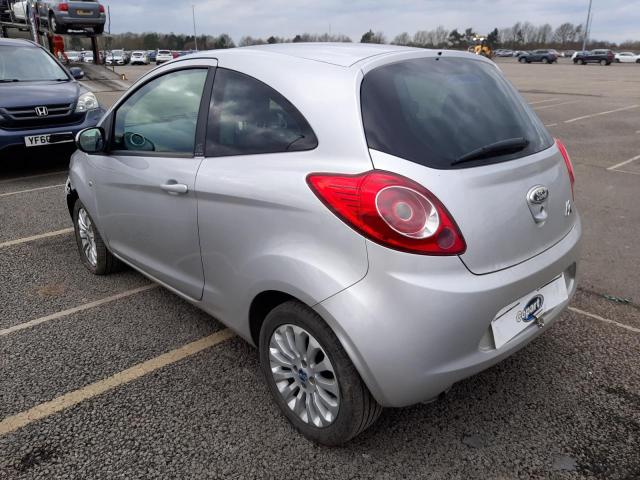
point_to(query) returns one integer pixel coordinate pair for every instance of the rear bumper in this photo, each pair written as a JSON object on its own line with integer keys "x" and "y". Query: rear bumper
{"x": 15, "y": 138}
{"x": 64, "y": 19}
{"x": 415, "y": 324}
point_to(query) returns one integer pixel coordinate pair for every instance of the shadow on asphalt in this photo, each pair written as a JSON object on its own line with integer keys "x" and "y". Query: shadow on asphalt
{"x": 23, "y": 162}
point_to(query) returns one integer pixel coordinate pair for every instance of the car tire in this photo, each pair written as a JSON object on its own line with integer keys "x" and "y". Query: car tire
{"x": 54, "y": 27}
{"x": 582, "y": 62}
{"x": 356, "y": 408}
{"x": 522, "y": 60}
{"x": 93, "y": 252}
{"x": 603, "y": 62}
{"x": 99, "y": 30}
{"x": 545, "y": 60}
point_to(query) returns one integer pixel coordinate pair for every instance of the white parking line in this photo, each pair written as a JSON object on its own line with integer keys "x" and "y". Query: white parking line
{"x": 19, "y": 420}
{"x": 80, "y": 308}
{"x": 617, "y": 165}
{"x": 555, "y": 105}
{"x": 551, "y": 125}
{"x": 543, "y": 101}
{"x": 17, "y": 179}
{"x": 601, "y": 113}
{"x": 35, "y": 237}
{"x": 31, "y": 190}
{"x": 605, "y": 320}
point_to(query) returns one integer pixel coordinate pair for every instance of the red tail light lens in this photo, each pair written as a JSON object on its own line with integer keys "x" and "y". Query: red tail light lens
{"x": 63, "y": 7}
{"x": 391, "y": 210}
{"x": 101, "y": 8}
{"x": 567, "y": 162}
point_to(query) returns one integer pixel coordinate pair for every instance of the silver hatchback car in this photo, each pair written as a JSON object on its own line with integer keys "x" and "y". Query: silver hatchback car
{"x": 380, "y": 221}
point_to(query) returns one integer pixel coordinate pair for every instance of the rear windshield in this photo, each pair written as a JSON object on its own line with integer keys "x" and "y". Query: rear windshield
{"x": 164, "y": 52}
{"x": 434, "y": 111}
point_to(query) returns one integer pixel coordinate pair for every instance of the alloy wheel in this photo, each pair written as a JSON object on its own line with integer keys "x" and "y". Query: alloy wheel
{"x": 85, "y": 230}
{"x": 304, "y": 375}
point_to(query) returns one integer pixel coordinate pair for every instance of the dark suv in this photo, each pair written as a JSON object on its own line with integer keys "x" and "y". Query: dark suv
{"x": 41, "y": 103}
{"x": 63, "y": 15}
{"x": 603, "y": 57}
{"x": 544, "y": 56}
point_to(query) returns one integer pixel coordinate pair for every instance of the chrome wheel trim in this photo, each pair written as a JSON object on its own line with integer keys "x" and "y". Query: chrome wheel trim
{"x": 304, "y": 375}
{"x": 85, "y": 230}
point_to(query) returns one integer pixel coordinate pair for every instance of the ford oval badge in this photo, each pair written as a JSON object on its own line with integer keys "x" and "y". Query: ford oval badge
{"x": 538, "y": 195}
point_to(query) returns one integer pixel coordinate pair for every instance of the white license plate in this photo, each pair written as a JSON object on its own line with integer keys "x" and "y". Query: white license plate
{"x": 528, "y": 310}
{"x": 54, "y": 138}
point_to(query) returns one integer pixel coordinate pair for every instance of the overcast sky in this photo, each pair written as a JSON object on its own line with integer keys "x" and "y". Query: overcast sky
{"x": 615, "y": 20}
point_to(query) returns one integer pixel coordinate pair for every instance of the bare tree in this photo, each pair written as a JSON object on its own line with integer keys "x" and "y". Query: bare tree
{"x": 402, "y": 39}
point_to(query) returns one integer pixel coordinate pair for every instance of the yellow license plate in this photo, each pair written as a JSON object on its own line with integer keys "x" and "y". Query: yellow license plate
{"x": 84, "y": 12}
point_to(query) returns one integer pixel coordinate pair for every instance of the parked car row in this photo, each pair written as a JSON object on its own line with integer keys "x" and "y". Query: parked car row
{"x": 82, "y": 57}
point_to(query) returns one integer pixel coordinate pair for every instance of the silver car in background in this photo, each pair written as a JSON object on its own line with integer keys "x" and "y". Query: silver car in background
{"x": 381, "y": 222}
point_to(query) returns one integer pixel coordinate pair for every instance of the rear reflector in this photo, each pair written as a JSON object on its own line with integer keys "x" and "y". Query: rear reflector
{"x": 391, "y": 210}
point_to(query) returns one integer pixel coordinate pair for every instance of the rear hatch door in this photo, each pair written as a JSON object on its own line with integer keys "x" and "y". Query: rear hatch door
{"x": 423, "y": 117}
{"x": 84, "y": 10}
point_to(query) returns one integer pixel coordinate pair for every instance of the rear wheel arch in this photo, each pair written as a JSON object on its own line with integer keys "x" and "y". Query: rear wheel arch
{"x": 261, "y": 305}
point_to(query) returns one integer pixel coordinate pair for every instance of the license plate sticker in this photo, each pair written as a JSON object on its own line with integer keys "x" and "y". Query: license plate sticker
{"x": 528, "y": 310}
{"x": 48, "y": 139}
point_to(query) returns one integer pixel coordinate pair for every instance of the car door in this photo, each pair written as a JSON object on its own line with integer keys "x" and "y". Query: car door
{"x": 145, "y": 185}
{"x": 251, "y": 184}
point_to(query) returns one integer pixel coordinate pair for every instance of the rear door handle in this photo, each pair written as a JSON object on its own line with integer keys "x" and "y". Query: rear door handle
{"x": 174, "y": 188}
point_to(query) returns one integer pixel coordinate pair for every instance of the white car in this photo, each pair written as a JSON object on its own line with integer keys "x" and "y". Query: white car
{"x": 74, "y": 57}
{"x": 116, "y": 57}
{"x": 88, "y": 57}
{"x": 139, "y": 58}
{"x": 627, "y": 57}
{"x": 19, "y": 10}
{"x": 163, "y": 56}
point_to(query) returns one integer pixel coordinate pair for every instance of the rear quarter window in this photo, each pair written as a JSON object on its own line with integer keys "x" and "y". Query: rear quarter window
{"x": 432, "y": 111}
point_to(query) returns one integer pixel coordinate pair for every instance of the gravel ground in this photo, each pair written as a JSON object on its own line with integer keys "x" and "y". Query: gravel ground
{"x": 565, "y": 407}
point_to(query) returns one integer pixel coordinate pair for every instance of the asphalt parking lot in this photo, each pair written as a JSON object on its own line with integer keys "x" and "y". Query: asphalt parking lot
{"x": 114, "y": 377}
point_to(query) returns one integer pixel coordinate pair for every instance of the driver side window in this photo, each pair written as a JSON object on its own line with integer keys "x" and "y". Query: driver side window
{"x": 162, "y": 115}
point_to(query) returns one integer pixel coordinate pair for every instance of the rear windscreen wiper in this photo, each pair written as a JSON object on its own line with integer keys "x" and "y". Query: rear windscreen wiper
{"x": 510, "y": 145}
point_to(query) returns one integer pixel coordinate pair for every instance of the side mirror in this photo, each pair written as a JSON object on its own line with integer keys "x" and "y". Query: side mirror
{"x": 90, "y": 140}
{"x": 77, "y": 73}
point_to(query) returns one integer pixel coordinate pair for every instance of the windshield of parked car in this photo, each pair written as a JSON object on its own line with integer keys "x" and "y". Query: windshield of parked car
{"x": 28, "y": 64}
{"x": 448, "y": 113}
{"x": 164, "y": 52}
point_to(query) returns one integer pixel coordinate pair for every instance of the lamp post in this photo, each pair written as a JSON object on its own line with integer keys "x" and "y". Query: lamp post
{"x": 586, "y": 28}
{"x": 195, "y": 36}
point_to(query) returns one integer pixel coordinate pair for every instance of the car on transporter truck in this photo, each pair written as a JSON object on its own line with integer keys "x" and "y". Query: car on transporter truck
{"x": 41, "y": 103}
{"x": 378, "y": 246}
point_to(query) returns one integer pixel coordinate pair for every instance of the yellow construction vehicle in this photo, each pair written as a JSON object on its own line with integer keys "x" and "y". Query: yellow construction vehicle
{"x": 482, "y": 47}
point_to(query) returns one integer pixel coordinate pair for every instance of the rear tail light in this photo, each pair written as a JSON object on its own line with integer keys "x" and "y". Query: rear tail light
{"x": 101, "y": 8}
{"x": 391, "y": 210}
{"x": 63, "y": 7}
{"x": 567, "y": 162}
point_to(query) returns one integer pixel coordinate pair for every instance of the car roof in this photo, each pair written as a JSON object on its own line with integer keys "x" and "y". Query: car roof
{"x": 17, "y": 42}
{"x": 340, "y": 54}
